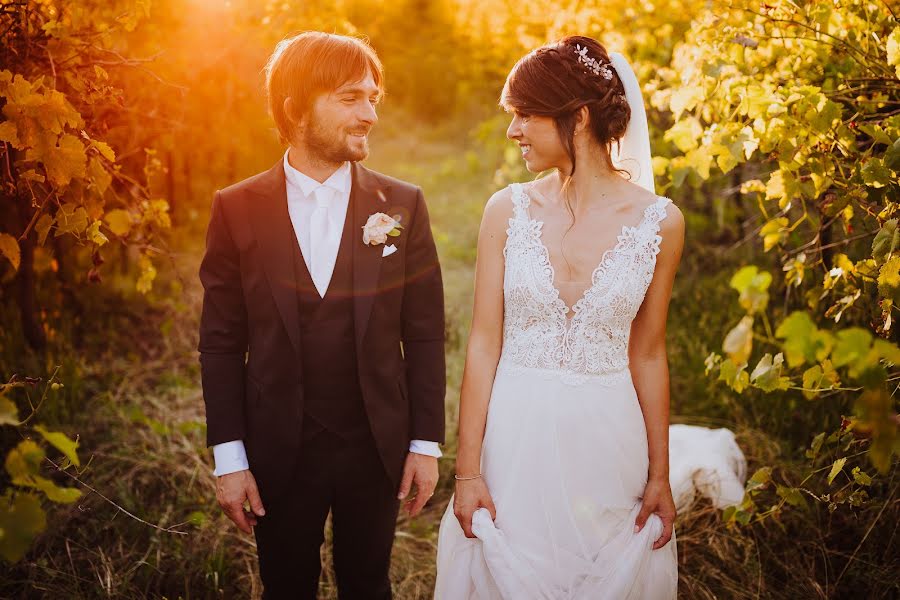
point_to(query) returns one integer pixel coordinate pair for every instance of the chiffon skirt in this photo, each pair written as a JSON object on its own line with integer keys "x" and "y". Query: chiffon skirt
{"x": 566, "y": 466}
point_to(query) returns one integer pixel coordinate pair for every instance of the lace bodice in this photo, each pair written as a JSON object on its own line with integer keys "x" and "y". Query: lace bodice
{"x": 593, "y": 342}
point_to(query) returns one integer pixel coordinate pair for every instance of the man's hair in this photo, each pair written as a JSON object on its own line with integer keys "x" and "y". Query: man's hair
{"x": 312, "y": 63}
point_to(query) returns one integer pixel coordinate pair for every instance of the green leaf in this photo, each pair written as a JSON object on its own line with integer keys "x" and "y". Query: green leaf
{"x": 892, "y": 156}
{"x": 752, "y": 285}
{"x": 61, "y": 442}
{"x": 852, "y": 345}
{"x": 861, "y": 477}
{"x": 198, "y": 518}
{"x": 815, "y": 446}
{"x": 819, "y": 377}
{"x": 767, "y": 374}
{"x": 875, "y": 174}
{"x": 792, "y": 496}
{"x": 735, "y": 377}
{"x": 836, "y": 468}
{"x": 759, "y": 479}
{"x": 886, "y": 240}
{"x": 797, "y": 330}
{"x": 9, "y": 247}
{"x": 21, "y": 520}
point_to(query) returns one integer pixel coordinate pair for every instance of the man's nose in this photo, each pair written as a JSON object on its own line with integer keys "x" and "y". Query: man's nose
{"x": 368, "y": 114}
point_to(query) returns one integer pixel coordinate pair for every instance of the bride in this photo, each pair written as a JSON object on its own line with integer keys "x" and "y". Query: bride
{"x": 562, "y": 471}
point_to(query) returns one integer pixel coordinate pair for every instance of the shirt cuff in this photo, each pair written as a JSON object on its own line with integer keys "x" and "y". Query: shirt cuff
{"x": 426, "y": 448}
{"x": 230, "y": 457}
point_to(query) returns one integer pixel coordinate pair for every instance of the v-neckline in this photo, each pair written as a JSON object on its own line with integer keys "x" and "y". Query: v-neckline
{"x": 606, "y": 258}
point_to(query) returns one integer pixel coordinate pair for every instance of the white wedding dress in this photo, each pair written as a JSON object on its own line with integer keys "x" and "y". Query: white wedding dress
{"x": 565, "y": 448}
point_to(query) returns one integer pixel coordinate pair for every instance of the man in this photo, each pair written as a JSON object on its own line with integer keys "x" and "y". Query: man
{"x": 322, "y": 333}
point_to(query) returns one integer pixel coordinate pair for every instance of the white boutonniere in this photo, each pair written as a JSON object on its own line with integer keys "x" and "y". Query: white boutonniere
{"x": 379, "y": 227}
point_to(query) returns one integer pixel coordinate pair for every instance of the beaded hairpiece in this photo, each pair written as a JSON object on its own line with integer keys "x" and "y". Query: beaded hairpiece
{"x": 592, "y": 64}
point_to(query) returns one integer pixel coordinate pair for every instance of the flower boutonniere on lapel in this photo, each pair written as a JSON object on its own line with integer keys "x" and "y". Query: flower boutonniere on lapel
{"x": 379, "y": 227}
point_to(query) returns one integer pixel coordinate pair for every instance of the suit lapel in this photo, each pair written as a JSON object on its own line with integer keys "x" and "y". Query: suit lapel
{"x": 368, "y": 195}
{"x": 277, "y": 242}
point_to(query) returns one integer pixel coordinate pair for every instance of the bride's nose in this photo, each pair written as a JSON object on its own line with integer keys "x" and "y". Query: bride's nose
{"x": 514, "y": 131}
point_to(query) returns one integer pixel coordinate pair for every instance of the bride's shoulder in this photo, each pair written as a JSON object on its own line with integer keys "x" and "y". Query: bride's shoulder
{"x": 502, "y": 202}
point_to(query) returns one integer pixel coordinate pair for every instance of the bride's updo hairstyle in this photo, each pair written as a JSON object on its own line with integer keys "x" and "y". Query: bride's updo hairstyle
{"x": 551, "y": 81}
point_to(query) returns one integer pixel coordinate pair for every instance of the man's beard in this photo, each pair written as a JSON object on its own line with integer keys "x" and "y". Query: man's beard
{"x": 331, "y": 148}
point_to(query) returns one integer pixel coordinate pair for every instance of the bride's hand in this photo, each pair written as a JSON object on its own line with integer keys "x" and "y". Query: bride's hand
{"x": 657, "y": 499}
{"x": 471, "y": 495}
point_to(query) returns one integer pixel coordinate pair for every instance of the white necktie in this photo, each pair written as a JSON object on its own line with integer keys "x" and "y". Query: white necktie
{"x": 319, "y": 236}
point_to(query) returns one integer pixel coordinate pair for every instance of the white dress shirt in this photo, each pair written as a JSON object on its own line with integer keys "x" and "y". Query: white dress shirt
{"x": 302, "y": 194}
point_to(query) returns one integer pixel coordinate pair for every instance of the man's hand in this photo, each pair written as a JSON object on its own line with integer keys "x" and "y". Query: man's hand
{"x": 423, "y": 471}
{"x": 232, "y": 490}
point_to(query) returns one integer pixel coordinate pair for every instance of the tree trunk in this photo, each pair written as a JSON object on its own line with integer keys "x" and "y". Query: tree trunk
{"x": 26, "y": 297}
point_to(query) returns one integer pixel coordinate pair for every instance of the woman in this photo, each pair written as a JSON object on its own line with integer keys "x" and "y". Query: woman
{"x": 562, "y": 484}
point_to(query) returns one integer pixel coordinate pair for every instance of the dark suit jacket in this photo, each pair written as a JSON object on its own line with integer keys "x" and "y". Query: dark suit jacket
{"x": 250, "y": 336}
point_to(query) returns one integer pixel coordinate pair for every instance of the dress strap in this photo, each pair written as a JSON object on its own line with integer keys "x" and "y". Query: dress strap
{"x": 520, "y": 201}
{"x": 653, "y": 216}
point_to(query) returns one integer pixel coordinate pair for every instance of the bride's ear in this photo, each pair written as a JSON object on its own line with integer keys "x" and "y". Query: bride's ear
{"x": 582, "y": 119}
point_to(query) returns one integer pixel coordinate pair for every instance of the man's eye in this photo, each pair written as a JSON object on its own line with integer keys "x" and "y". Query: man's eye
{"x": 348, "y": 100}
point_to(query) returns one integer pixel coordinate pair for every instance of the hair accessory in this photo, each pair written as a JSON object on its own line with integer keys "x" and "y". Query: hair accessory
{"x": 593, "y": 65}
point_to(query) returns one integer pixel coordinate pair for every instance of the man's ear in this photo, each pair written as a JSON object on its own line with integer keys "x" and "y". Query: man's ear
{"x": 290, "y": 111}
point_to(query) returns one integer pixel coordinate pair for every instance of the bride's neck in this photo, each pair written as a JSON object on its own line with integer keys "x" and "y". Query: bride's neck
{"x": 592, "y": 182}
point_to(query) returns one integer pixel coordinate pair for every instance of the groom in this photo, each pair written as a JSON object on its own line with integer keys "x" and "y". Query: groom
{"x": 322, "y": 333}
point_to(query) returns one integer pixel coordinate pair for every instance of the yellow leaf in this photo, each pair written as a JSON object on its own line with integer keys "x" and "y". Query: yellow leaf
{"x": 739, "y": 341}
{"x": 685, "y": 98}
{"x": 99, "y": 176}
{"x": 63, "y": 161}
{"x": 119, "y": 221}
{"x": 9, "y": 414}
{"x": 148, "y": 274}
{"x": 71, "y": 219}
{"x": 62, "y": 443}
{"x": 774, "y": 232}
{"x": 105, "y": 150}
{"x": 95, "y": 235}
{"x": 9, "y": 247}
{"x": 893, "y": 48}
{"x": 9, "y": 133}
{"x": 685, "y": 134}
{"x": 156, "y": 212}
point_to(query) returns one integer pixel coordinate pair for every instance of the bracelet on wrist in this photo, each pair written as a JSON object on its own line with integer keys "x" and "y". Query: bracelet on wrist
{"x": 458, "y": 478}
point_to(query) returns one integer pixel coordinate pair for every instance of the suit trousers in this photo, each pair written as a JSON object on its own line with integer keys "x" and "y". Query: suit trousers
{"x": 346, "y": 477}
